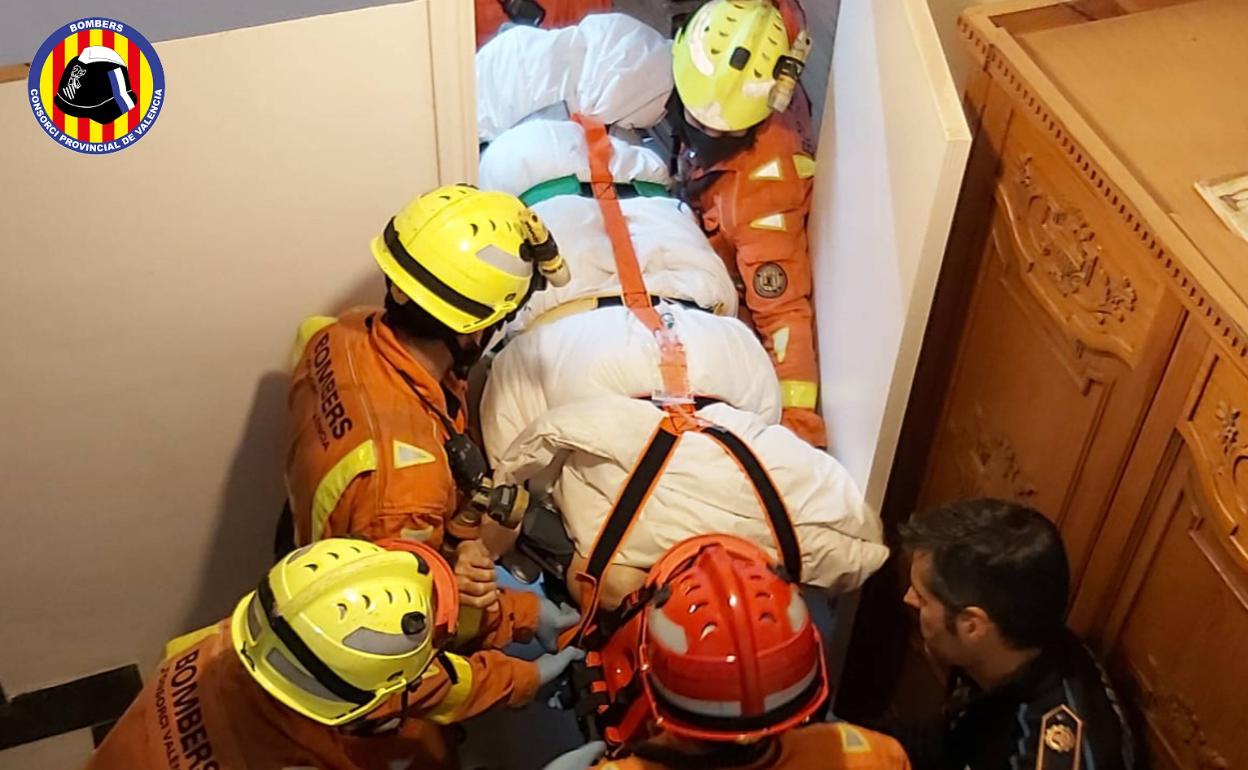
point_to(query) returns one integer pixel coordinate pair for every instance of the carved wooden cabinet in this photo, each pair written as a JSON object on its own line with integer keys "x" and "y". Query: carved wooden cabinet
{"x": 1066, "y": 335}
{"x": 1086, "y": 352}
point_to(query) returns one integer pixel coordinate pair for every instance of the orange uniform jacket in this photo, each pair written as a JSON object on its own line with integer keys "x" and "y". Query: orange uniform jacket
{"x": 559, "y": 13}
{"x": 754, "y": 207}
{"x": 203, "y": 711}
{"x": 365, "y": 456}
{"x": 366, "y": 459}
{"x": 836, "y": 746}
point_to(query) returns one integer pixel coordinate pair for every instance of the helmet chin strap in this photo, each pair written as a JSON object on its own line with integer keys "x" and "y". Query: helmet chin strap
{"x": 707, "y": 150}
{"x": 463, "y": 355}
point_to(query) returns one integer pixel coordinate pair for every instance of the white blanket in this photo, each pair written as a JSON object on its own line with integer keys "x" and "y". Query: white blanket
{"x": 564, "y": 407}
{"x": 609, "y": 352}
{"x": 676, "y": 259}
{"x": 537, "y": 151}
{"x": 610, "y": 66}
{"x": 593, "y": 444}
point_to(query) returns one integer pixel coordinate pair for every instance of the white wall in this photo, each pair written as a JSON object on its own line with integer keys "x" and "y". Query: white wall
{"x": 891, "y": 155}
{"x": 149, "y": 301}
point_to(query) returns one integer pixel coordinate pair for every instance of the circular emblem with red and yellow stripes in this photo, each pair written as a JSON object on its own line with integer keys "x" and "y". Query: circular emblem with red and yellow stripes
{"x": 96, "y": 86}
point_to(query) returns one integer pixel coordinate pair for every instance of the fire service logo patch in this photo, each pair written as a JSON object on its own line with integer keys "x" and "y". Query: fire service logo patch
{"x": 96, "y": 86}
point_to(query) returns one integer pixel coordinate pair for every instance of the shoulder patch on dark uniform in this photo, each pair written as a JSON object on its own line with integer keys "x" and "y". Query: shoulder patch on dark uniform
{"x": 1061, "y": 740}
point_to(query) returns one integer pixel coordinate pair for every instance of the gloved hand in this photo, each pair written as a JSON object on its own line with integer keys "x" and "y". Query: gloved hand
{"x": 550, "y": 666}
{"x": 579, "y": 759}
{"x": 474, "y": 575}
{"x": 552, "y": 619}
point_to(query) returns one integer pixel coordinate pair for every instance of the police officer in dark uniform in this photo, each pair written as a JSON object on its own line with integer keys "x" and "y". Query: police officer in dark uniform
{"x": 990, "y": 581}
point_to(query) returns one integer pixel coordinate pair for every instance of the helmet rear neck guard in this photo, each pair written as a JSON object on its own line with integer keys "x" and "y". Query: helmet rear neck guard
{"x": 631, "y": 702}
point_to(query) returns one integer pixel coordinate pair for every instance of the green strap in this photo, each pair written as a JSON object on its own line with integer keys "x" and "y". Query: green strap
{"x": 571, "y": 185}
{"x": 564, "y": 185}
{"x": 650, "y": 189}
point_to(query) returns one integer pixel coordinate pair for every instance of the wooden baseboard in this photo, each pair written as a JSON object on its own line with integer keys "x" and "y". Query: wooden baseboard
{"x": 9, "y": 72}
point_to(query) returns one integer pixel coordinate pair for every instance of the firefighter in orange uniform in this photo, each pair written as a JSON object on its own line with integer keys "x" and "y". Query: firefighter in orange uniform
{"x": 728, "y": 673}
{"x": 377, "y": 449}
{"x": 551, "y": 14}
{"x": 375, "y": 396}
{"x": 746, "y": 165}
{"x": 336, "y": 661}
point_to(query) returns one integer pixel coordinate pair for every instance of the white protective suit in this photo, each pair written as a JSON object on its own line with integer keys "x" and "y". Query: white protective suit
{"x": 566, "y": 403}
{"x": 676, "y": 259}
{"x": 611, "y": 67}
{"x": 609, "y": 352}
{"x": 597, "y": 442}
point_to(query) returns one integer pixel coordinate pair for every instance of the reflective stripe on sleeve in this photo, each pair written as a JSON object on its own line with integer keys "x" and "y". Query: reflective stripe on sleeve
{"x": 360, "y": 460}
{"x": 770, "y": 222}
{"x": 805, "y": 165}
{"x": 444, "y": 713}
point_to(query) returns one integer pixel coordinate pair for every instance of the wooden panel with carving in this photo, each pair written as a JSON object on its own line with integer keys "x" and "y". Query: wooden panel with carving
{"x": 1092, "y": 277}
{"x": 1214, "y": 430}
{"x": 1179, "y": 627}
{"x": 1081, "y": 385}
{"x": 1065, "y": 340}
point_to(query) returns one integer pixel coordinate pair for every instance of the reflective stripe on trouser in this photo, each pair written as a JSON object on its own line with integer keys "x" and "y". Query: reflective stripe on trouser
{"x": 798, "y": 394}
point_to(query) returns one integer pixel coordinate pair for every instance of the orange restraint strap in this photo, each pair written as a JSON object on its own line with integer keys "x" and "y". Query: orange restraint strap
{"x": 672, "y": 364}
{"x": 676, "y": 400}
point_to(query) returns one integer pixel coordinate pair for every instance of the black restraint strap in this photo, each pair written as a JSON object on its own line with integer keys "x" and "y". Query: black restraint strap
{"x": 630, "y": 500}
{"x": 308, "y": 659}
{"x": 699, "y": 402}
{"x": 616, "y": 301}
{"x": 623, "y": 190}
{"x": 447, "y": 666}
{"x": 773, "y": 503}
{"x": 430, "y": 281}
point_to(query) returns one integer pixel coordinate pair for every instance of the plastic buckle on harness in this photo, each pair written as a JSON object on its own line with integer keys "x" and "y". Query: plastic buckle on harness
{"x": 604, "y": 691}
{"x": 665, "y": 400}
{"x": 675, "y": 392}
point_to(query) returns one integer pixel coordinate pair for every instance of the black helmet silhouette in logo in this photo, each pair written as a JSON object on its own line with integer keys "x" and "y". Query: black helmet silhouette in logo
{"x": 96, "y": 85}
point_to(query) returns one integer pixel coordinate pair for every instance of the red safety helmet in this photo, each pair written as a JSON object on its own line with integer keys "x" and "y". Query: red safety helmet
{"x": 728, "y": 651}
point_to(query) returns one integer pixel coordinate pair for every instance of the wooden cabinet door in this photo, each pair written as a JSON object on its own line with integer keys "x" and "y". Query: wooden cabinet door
{"x": 1066, "y": 336}
{"x": 1177, "y": 626}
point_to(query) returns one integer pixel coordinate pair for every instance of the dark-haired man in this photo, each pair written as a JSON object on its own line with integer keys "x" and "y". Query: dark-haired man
{"x": 990, "y": 581}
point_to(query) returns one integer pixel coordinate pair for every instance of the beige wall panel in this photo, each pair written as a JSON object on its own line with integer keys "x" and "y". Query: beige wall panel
{"x": 150, "y": 298}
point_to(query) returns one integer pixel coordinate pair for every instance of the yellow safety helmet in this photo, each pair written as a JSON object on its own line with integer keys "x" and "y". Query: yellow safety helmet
{"x": 724, "y": 61}
{"x": 338, "y": 626}
{"x": 456, "y": 252}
